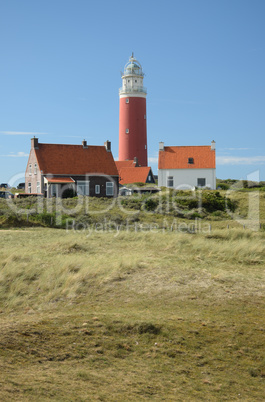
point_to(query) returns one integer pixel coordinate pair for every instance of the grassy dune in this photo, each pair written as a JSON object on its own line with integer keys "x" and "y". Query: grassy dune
{"x": 133, "y": 316}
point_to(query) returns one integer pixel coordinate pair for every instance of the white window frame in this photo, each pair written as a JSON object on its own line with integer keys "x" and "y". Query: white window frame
{"x": 38, "y": 187}
{"x": 97, "y": 189}
{"x": 109, "y": 188}
{"x": 29, "y": 188}
{"x": 30, "y": 169}
{"x": 82, "y": 187}
{"x": 54, "y": 190}
{"x": 35, "y": 168}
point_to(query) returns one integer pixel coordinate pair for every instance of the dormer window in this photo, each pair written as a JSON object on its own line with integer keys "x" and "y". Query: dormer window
{"x": 190, "y": 161}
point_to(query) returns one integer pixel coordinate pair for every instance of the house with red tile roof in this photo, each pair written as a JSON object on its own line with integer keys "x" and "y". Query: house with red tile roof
{"x": 181, "y": 167}
{"x": 130, "y": 172}
{"x": 55, "y": 169}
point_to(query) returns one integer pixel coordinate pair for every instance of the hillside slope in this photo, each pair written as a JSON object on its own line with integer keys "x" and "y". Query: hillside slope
{"x": 132, "y": 316}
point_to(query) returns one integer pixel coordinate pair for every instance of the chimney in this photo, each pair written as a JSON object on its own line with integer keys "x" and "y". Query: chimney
{"x": 107, "y": 145}
{"x": 135, "y": 159}
{"x": 84, "y": 143}
{"x": 34, "y": 143}
{"x": 161, "y": 146}
{"x": 213, "y": 145}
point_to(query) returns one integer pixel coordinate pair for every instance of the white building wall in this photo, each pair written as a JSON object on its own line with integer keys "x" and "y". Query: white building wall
{"x": 187, "y": 177}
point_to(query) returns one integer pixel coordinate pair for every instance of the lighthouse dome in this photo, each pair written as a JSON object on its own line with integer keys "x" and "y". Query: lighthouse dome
{"x": 133, "y": 67}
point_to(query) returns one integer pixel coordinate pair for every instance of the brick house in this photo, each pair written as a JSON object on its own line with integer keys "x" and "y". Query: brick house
{"x": 130, "y": 172}
{"x": 53, "y": 169}
{"x": 187, "y": 166}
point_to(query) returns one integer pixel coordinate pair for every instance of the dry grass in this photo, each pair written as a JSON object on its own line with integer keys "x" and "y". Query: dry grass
{"x": 156, "y": 316}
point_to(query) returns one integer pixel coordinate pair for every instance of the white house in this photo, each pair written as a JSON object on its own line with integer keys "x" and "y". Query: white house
{"x": 187, "y": 166}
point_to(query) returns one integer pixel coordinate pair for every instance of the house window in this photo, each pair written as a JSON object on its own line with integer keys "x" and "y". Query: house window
{"x": 82, "y": 187}
{"x": 109, "y": 188}
{"x": 170, "y": 181}
{"x": 29, "y": 188}
{"x": 35, "y": 168}
{"x": 127, "y": 100}
{"x": 190, "y": 161}
{"x": 127, "y": 131}
{"x": 97, "y": 189}
{"x": 149, "y": 177}
{"x": 54, "y": 190}
{"x": 30, "y": 169}
{"x": 38, "y": 187}
{"x": 201, "y": 182}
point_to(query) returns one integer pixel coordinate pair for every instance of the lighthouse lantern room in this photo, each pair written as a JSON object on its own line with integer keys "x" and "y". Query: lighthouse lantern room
{"x": 132, "y": 122}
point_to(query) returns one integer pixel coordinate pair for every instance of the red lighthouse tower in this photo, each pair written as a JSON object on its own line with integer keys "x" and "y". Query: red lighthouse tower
{"x": 132, "y": 123}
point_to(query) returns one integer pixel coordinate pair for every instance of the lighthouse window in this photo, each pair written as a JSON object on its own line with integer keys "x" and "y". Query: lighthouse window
{"x": 145, "y": 147}
{"x": 127, "y": 100}
{"x": 145, "y": 116}
{"x": 127, "y": 131}
{"x": 128, "y": 80}
{"x": 135, "y": 80}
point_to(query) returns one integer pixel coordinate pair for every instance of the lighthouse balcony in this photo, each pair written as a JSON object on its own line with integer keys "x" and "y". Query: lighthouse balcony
{"x": 132, "y": 90}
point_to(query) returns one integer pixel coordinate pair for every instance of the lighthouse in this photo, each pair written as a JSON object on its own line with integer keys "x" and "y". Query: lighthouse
{"x": 132, "y": 120}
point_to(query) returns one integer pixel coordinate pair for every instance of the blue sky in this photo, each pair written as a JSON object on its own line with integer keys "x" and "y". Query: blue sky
{"x": 204, "y": 62}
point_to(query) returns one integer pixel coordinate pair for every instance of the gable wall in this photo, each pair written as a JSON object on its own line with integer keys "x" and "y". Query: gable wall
{"x": 32, "y": 177}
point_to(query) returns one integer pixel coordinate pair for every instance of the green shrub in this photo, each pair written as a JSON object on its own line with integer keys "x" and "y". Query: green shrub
{"x": 151, "y": 204}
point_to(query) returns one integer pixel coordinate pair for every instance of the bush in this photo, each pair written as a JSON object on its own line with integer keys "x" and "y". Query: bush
{"x": 223, "y": 186}
{"x": 150, "y": 204}
{"x": 69, "y": 193}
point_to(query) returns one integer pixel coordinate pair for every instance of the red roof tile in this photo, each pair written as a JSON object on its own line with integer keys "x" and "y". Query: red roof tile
{"x": 61, "y": 159}
{"x": 128, "y": 163}
{"x": 134, "y": 174}
{"x": 177, "y": 158}
{"x": 60, "y": 180}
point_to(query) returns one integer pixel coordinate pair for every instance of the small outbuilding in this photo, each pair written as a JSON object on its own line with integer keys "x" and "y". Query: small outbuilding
{"x": 183, "y": 167}
{"x": 130, "y": 172}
